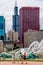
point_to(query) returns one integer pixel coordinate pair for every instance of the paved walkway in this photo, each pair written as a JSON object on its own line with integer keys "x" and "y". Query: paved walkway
{"x": 17, "y": 63}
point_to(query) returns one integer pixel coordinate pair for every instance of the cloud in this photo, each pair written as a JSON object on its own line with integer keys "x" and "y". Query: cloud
{"x": 41, "y": 23}
{"x": 7, "y": 9}
{"x": 39, "y": 0}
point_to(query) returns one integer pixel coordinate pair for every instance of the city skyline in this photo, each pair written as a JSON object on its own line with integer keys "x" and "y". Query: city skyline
{"x": 7, "y": 10}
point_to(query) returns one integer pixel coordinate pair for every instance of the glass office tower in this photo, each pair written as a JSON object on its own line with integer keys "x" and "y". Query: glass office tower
{"x": 16, "y": 19}
{"x": 2, "y": 27}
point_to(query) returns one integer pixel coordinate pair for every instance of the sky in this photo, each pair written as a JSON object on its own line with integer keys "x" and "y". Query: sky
{"x": 7, "y": 10}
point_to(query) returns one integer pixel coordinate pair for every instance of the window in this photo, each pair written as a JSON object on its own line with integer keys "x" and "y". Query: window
{"x": 1, "y": 25}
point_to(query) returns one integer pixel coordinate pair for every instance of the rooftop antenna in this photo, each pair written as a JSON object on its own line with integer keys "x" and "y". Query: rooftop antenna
{"x": 15, "y": 3}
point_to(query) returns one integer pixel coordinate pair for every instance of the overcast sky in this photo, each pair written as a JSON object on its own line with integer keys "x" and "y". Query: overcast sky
{"x": 7, "y": 10}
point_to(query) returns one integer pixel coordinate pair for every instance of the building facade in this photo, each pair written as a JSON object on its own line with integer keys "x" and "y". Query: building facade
{"x": 12, "y": 35}
{"x": 2, "y": 27}
{"x": 31, "y": 36}
{"x": 29, "y": 19}
{"x": 16, "y": 19}
{"x": 8, "y": 44}
{"x": 1, "y": 46}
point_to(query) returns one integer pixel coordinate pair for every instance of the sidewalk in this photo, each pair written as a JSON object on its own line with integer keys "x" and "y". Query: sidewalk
{"x": 21, "y": 63}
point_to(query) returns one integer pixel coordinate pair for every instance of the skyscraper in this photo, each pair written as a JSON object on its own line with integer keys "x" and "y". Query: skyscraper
{"x": 2, "y": 27}
{"x": 29, "y": 19}
{"x": 16, "y": 18}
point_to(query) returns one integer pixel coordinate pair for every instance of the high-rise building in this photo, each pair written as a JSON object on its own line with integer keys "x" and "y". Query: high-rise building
{"x": 2, "y": 27}
{"x": 16, "y": 18}
{"x": 12, "y": 35}
{"x": 29, "y": 19}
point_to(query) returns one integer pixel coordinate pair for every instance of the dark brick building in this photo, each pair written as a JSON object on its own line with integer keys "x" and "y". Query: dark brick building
{"x": 29, "y": 19}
